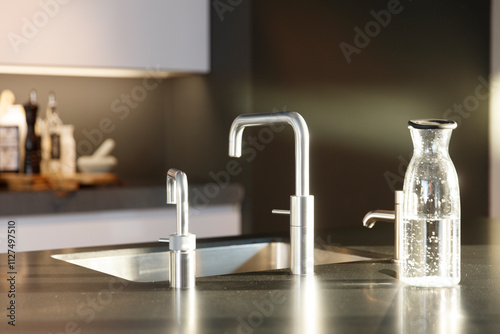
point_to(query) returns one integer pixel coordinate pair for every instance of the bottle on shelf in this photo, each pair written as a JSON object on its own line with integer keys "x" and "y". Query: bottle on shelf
{"x": 68, "y": 149}
{"x": 59, "y": 147}
{"x": 32, "y": 149}
{"x": 52, "y": 141}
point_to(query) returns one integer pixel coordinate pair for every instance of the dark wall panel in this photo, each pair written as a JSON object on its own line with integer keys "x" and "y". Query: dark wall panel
{"x": 358, "y": 71}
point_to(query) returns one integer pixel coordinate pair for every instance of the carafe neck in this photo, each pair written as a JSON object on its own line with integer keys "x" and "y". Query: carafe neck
{"x": 430, "y": 141}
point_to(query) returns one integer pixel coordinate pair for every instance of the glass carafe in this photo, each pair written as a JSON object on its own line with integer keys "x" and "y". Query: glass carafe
{"x": 431, "y": 209}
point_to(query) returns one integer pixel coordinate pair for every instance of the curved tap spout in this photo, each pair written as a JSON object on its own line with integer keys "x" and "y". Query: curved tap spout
{"x": 301, "y": 141}
{"x": 182, "y": 245}
{"x": 389, "y": 216}
{"x": 374, "y": 216}
{"x": 177, "y": 193}
{"x": 302, "y": 204}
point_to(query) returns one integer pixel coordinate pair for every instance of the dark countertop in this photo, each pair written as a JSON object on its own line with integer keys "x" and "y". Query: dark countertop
{"x": 108, "y": 198}
{"x": 360, "y": 297}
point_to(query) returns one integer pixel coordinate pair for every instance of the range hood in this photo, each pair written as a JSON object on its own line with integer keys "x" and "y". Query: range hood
{"x": 106, "y": 38}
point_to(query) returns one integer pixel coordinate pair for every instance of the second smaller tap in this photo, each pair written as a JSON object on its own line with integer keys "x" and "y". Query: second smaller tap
{"x": 389, "y": 216}
{"x": 182, "y": 244}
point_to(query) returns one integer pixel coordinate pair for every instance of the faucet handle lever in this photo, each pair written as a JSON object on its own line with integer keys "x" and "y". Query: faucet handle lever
{"x": 281, "y": 212}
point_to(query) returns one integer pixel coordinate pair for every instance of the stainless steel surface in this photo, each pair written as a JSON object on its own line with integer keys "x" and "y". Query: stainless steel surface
{"x": 302, "y": 204}
{"x": 182, "y": 245}
{"x": 398, "y": 210}
{"x": 302, "y": 234}
{"x": 151, "y": 264}
{"x": 182, "y": 269}
{"x": 177, "y": 193}
{"x": 388, "y": 216}
{"x": 374, "y": 216}
{"x": 301, "y": 132}
{"x": 281, "y": 212}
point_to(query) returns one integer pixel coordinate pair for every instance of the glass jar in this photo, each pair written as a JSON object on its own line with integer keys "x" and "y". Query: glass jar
{"x": 62, "y": 150}
{"x": 431, "y": 209}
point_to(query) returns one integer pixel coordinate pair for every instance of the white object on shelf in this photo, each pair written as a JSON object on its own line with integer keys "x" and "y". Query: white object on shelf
{"x": 117, "y": 38}
{"x": 7, "y": 98}
{"x": 89, "y": 164}
{"x": 68, "y": 149}
{"x": 105, "y": 148}
{"x": 100, "y": 161}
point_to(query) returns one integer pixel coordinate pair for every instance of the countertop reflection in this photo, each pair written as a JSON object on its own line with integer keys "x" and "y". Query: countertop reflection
{"x": 339, "y": 299}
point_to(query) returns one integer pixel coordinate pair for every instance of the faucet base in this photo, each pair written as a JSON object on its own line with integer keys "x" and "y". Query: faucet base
{"x": 182, "y": 269}
{"x": 302, "y": 234}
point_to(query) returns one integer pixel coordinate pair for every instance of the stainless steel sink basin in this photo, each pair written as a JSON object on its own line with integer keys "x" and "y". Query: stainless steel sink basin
{"x": 151, "y": 264}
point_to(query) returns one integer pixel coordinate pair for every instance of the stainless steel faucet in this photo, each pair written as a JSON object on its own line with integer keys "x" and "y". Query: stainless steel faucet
{"x": 389, "y": 216}
{"x": 302, "y": 204}
{"x": 182, "y": 244}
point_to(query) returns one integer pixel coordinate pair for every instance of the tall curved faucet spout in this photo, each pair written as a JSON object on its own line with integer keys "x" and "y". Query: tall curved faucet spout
{"x": 182, "y": 245}
{"x": 177, "y": 193}
{"x": 301, "y": 141}
{"x": 302, "y": 204}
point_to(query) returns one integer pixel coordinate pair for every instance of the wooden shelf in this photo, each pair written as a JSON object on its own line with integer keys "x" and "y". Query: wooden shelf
{"x": 38, "y": 182}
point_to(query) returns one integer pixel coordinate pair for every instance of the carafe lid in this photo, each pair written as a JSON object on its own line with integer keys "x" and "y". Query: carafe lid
{"x": 432, "y": 124}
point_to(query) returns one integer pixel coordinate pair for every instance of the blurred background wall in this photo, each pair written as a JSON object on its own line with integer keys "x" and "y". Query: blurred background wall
{"x": 356, "y": 70}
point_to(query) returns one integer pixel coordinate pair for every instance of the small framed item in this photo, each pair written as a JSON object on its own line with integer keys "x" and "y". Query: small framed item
{"x": 9, "y": 149}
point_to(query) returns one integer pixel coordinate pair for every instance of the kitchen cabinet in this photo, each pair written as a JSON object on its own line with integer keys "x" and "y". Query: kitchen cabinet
{"x": 114, "y": 227}
{"x": 120, "y": 38}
